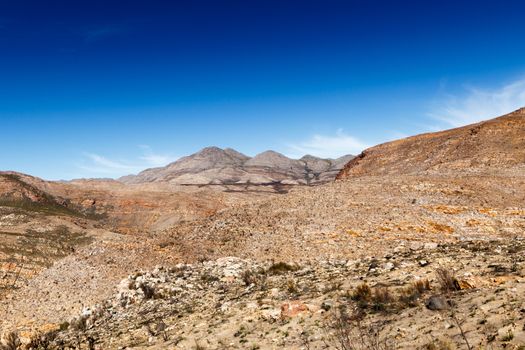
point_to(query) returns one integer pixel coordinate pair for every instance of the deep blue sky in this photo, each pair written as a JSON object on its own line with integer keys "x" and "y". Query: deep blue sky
{"x": 105, "y": 88}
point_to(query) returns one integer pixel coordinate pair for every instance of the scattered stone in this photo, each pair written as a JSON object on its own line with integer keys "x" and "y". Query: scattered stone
{"x": 430, "y": 246}
{"x": 292, "y": 309}
{"x": 327, "y": 305}
{"x": 437, "y": 302}
{"x": 423, "y": 263}
{"x": 388, "y": 266}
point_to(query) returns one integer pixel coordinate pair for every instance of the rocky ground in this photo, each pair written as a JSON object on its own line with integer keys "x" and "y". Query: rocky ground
{"x": 399, "y": 300}
{"x": 385, "y": 231}
{"x": 364, "y": 216}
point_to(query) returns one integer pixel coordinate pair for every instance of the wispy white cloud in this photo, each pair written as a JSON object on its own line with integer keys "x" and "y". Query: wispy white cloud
{"x": 155, "y": 159}
{"x": 478, "y": 104}
{"x": 95, "y": 165}
{"x": 328, "y": 146}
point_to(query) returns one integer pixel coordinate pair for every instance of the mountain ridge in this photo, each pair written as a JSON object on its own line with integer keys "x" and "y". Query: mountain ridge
{"x": 491, "y": 144}
{"x": 214, "y": 165}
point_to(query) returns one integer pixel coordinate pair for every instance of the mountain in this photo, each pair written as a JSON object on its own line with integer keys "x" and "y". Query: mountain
{"x": 494, "y": 144}
{"x": 217, "y": 166}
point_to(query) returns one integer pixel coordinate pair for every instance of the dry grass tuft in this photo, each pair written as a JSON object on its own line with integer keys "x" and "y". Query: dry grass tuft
{"x": 447, "y": 281}
{"x": 10, "y": 341}
{"x": 362, "y": 293}
{"x": 281, "y": 268}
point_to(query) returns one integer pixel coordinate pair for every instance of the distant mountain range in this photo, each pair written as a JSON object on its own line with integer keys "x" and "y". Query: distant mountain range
{"x": 216, "y": 166}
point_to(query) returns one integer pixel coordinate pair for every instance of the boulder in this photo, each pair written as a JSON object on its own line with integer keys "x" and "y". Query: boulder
{"x": 293, "y": 308}
{"x": 437, "y": 302}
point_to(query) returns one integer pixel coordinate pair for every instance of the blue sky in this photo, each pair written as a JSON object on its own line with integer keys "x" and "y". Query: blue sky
{"x": 106, "y": 88}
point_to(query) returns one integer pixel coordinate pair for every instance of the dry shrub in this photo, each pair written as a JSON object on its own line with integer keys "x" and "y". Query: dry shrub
{"x": 10, "y": 341}
{"x": 256, "y": 277}
{"x": 422, "y": 285}
{"x": 291, "y": 286}
{"x": 347, "y": 332}
{"x": 41, "y": 341}
{"x": 199, "y": 346}
{"x": 249, "y": 277}
{"x": 440, "y": 227}
{"x": 439, "y": 345}
{"x": 381, "y": 299}
{"x": 281, "y": 268}
{"x": 447, "y": 281}
{"x": 409, "y": 296}
{"x": 362, "y": 293}
{"x": 147, "y": 290}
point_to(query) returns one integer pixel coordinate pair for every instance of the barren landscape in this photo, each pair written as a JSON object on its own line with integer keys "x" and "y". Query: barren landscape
{"x": 418, "y": 244}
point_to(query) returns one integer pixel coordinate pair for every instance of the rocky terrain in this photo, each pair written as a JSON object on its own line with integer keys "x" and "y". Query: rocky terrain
{"x": 216, "y": 166}
{"x": 399, "y": 300}
{"x": 419, "y": 245}
{"x": 493, "y": 144}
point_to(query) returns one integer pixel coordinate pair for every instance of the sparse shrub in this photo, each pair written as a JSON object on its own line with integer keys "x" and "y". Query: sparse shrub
{"x": 79, "y": 324}
{"x": 347, "y": 332}
{"x": 199, "y": 346}
{"x": 10, "y": 341}
{"x": 249, "y": 277}
{"x": 439, "y": 345}
{"x": 254, "y": 277}
{"x": 508, "y": 337}
{"x": 408, "y": 296}
{"x": 41, "y": 341}
{"x": 209, "y": 278}
{"x": 381, "y": 299}
{"x": 459, "y": 324}
{"x": 281, "y": 268}
{"x": 362, "y": 293}
{"x": 422, "y": 285}
{"x": 149, "y": 291}
{"x": 447, "y": 281}
{"x": 165, "y": 243}
{"x": 291, "y": 286}
{"x": 333, "y": 286}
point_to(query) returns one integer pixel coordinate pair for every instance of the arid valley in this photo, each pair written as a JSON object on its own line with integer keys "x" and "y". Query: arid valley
{"x": 418, "y": 244}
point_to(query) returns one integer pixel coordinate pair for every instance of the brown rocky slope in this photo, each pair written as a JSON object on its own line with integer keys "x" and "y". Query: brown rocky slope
{"x": 494, "y": 144}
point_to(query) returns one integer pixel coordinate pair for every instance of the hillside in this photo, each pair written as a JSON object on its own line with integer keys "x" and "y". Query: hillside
{"x": 418, "y": 254}
{"x": 30, "y": 193}
{"x": 218, "y": 166}
{"x": 494, "y": 144}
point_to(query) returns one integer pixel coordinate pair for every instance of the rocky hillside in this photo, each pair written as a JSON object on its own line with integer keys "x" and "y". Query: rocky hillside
{"x": 27, "y": 192}
{"x": 464, "y": 295}
{"x": 218, "y": 166}
{"x": 494, "y": 144}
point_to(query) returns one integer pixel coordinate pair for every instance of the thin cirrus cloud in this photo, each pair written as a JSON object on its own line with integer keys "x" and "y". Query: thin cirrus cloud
{"x": 328, "y": 146}
{"x": 479, "y": 104}
{"x": 94, "y": 165}
{"x": 155, "y": 159}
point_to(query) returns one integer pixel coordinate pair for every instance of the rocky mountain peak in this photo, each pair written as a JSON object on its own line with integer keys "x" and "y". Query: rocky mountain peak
{"x": 214, "y": 165}
{"x": 272, "y": 159}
